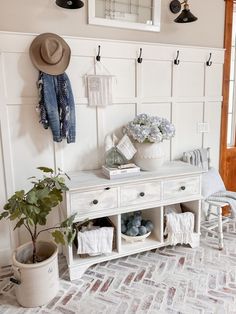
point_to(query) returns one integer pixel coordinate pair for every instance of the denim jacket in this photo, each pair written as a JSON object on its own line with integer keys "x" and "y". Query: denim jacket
{"x": 57, "y": 107}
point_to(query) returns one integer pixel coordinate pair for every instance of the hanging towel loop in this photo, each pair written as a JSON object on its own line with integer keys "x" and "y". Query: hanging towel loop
{"x": 209, "y": 62}
{"x": 98, "y": 57}
{"x": 176, "y": 60}
{"x": 140, "y": 59}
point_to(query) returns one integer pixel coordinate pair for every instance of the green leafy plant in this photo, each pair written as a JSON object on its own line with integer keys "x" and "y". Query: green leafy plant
{"x": 32, "y": 208}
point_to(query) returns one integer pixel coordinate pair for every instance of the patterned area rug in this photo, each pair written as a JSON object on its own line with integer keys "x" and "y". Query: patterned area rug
{"x": 169, "y": 280}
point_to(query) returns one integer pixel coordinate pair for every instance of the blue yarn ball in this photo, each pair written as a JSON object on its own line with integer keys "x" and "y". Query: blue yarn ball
{"x": 129, "y": 225}
{"x": 149, "y": 226}
{"x": 136, "y": 222}
{"x": 132, "y": 232}
{"x": 131, "y": 218}
{"x": 123, "y": 228}
{"x": 142, "y": 230}
{"x": 143, "y": 222}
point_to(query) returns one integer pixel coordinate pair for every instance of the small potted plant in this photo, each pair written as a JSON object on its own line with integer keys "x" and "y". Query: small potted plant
{"x": 148, "y": 132}
{"x": 35, "y": 263}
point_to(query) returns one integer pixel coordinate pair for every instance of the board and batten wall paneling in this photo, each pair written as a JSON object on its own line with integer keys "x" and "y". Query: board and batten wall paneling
{"x": 8, "y": 239}
{"x": 186, "y": 117}
{"x": 213, "y": 86}
{"x": 188, "y": 79}
{"x": 156, "y": 79}
{"x": 187, "y": 94}
{"x": 212, "y": 115}
{"x": 5, "y": 239}
{"x": 84, "y": 153}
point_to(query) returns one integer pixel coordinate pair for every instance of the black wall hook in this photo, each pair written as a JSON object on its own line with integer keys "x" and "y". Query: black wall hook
{"x": 140, "y": 59}
{"x": 209, "y": 62}
{"x": 98, "y": 57}
{"x": 176, "y": 60}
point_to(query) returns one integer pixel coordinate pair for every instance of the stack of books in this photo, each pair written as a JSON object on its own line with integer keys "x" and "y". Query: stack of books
{"x": 121, "y": 171}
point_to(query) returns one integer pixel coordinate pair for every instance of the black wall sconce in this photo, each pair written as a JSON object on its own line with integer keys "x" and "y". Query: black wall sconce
{"x": 70, "y": 4}
{"x": 185, "y": 16}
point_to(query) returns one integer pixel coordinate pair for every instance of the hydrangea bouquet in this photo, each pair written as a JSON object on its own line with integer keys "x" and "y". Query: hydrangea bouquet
{"x": 149, "y": 129}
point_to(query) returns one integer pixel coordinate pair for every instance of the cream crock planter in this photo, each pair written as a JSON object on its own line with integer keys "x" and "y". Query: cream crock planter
{"x": 37, "y": 283}
{"x": 149, "y": 156}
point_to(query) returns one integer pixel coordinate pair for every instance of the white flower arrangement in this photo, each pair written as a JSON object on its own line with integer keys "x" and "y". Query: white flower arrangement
{"x": 149, "y": 129}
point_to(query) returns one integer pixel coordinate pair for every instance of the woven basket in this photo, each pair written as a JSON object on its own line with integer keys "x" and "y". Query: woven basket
{"x": 101, "y": 222}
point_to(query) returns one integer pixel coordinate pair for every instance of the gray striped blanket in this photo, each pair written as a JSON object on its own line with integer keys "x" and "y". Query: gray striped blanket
{"x": 225, "y": 197}
{"x": 198, "y": 157}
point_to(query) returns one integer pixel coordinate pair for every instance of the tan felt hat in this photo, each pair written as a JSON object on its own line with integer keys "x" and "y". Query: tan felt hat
{"x": 50, "y": 53}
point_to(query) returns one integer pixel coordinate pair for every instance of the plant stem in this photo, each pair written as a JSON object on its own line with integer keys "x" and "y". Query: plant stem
{"x": 28, "y": 228}
{"x": 34, "y": 250}
{"x": 34, "y": 238}
{"x": 47, "y": 229}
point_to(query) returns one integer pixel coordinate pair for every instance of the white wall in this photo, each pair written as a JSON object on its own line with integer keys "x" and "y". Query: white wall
{"x": 187, "y": 94}
{"x": 38, "y": 16}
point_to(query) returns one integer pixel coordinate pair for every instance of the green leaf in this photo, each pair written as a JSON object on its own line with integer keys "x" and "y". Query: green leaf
{"x": 42, "y": 192}
{"x": 71, "y": 236}
{"x": 56, "y": 193}
{"x": 58, "y": 237}
{"x": 68, "y": 222}
{"x": 45, "y": 169}
{"x": 4, "y": 215}
{"x": 20, "y": 194}
{"x": 35, "y": 209}
{"x": 58, "y": 185}
{"x": 32, "y": 197}
{"x": 61, "y": 180}
{"x": 41, "y": 221}
{"x": 20, "y": 223}
{"x": 16, "y": 214}
{"x": 31, "y": 221}
{"x": 7, "y": 206}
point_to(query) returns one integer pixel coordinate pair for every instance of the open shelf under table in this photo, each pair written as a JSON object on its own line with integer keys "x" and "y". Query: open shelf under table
{"x": 93, "y": 259}
{"x": 148, "y": 244}
{"x": 126, "y": 249}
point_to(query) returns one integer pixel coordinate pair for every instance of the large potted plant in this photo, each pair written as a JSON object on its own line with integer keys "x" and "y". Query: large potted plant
{"x": 35, "y": 263}
{"x": 148, "y": 132}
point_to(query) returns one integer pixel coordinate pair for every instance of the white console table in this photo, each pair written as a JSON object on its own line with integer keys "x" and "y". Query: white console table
{"x": 91, "y": 195}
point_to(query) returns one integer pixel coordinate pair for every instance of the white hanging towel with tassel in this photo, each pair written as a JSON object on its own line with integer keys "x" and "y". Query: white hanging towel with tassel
{"x": 99, "y": 90}
{"x": 180, "y": 228}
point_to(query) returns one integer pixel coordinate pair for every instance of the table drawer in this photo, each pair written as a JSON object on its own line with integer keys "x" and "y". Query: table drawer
{"x": 181, "y": 187}
{"x": 140, "y": 193}
{"x": 85, "y": 202}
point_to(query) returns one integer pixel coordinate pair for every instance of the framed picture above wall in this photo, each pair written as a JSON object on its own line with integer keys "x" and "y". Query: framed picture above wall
{"x": 133, "y": 14}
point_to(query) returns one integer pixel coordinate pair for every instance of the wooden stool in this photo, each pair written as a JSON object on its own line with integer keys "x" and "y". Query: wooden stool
{"x": 211, "y": 224}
